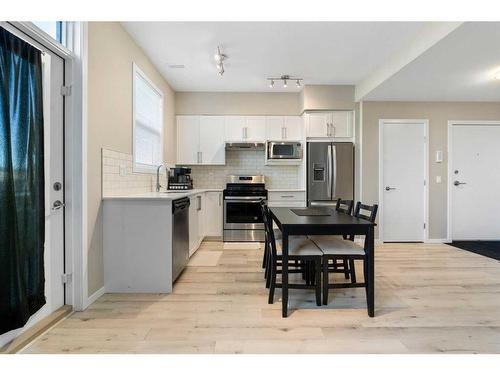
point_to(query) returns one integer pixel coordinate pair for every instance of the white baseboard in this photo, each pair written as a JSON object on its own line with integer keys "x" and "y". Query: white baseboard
{"x": 437, "y": 240}
{"x": 94, "y": 297}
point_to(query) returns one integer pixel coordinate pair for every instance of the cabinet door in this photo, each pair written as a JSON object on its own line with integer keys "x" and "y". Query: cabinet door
{"x": 200, "y": 200}
{"x": 193, "y": 225}
{"x": 342, "y": 124}
{"x": 212, "y": 140}
{"x": 213, "y": 213}
{"x": 275, "y": 128}
{"x": 293, "y": 128}
{"x": 255, "y": 128}
{"x": 318, "y": 124}
{"x": 188, "y": 138}
{"x": 234, "y": 128}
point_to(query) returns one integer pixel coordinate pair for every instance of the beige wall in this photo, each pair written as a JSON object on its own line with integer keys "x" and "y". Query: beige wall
{"x": 438, "y": 114}
{"x": 325, "y": 97}
{"x": 111, "y": 52}
{"x": 236, "y": 103}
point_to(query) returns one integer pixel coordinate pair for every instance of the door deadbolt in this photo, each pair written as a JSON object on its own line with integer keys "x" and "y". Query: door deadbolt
{"x": 57, "y": 186}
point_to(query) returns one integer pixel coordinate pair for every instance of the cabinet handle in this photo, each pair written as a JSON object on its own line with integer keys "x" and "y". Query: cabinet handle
{"x": 287, "y": 196}
{"x": 245, "y": 132}
{"x": 328, "y": 129}
{"x": 282, "y": 133}
{"x": 220, "y": 199}
{"x": 333, "y": 130}
{"x": 199, "y": 203}
{"x": 284, "y": 129}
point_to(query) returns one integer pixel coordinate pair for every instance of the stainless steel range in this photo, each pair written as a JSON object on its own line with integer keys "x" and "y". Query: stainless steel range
{"x": 242, "y": 212}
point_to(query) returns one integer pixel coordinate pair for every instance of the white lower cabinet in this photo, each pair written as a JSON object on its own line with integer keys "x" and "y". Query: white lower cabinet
{"x": 194, "y": 239}
{"x": 287, "y": 198}
{"x": 213, "y": 213}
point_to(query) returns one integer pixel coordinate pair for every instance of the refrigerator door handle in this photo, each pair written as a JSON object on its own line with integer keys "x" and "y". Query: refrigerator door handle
{"x": 334, "y": 157}
{"x": 329, "y": 172}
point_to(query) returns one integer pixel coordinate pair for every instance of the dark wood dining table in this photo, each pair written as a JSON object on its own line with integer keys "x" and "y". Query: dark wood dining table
{"x": 336, "y": 223}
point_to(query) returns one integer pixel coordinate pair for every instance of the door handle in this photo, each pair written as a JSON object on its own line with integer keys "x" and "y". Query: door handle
{"x": 458, "y": 183}
{"x": 57, "y": 205}
{"x": 387, "y": 188}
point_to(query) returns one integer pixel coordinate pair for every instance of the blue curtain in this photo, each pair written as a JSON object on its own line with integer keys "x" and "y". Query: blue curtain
{"x": 22, "y": 216}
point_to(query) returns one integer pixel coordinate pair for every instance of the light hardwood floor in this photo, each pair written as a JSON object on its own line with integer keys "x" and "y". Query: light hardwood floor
{"x": 429, "y": 299}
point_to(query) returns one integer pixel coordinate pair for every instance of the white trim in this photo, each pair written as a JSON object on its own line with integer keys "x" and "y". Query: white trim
{"x": 142, "y": 168}
{"x": 94, "y": 297}
{"x": 360, "y": 161}
{"x": 452, "y": 123}
{"x": 425, "y": 123}
{"x": 436, "y": 240}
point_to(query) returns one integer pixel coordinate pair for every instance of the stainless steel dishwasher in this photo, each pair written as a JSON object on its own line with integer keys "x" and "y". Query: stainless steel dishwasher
{"x": 180, "y": 236}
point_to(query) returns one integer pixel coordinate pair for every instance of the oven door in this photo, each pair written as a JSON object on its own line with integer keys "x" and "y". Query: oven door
{"x": 243, "y": 213}
{"x": 284, "y": 150}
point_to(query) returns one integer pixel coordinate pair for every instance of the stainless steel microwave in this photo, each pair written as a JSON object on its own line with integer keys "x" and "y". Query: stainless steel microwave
{"x": 284, "y": 150}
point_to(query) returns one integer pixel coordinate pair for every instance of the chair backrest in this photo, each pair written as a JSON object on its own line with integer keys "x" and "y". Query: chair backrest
{"x": 344, "y": 206}
{"x": 364, "y": 211}
{"x": 268, "y": 227}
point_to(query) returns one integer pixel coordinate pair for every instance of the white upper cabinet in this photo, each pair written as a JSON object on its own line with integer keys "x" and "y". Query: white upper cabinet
{"x": 245, "y": 128}
{"x": 342, "y": 123}
{"x": 284, "y": 128}
{"x": 188, "y": 137}
{"x": 255, "y": 129}
{"x": 212, "y": 146}
{"x": 235, "y": 128}
{"x": 200, "y": 140}
{"x": 293, "y": 128}
{"x": 337, "y": 124}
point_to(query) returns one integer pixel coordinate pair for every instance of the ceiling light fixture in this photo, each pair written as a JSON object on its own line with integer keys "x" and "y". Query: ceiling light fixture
{"x": 219, "y": 59}
{"x": 497, "y": 75}
{"x": 285, "y": 78}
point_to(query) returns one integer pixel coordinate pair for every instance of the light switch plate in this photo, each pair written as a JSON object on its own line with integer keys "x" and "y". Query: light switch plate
{"x": 438, "y": 179}
{"x": 439, "y": 156}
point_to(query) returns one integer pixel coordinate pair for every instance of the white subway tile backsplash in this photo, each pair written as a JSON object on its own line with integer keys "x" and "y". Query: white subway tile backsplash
{"x": 246, "y": 163}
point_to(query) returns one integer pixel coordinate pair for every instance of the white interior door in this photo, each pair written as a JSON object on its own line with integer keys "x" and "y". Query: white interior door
{"x": 475, "y": 182}
{"x": 403, "y": 166}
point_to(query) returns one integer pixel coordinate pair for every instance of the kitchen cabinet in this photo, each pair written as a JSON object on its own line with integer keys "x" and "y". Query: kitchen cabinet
{"x": 245, "y": 128}
{"x": 336, "y": 124}
{"x": 213, "y": 213}
{"x": 188, "y": 139}
{"x": 200, "y": 140}
{"x": 196, "y": 222}
{"x": 284, "y": 128}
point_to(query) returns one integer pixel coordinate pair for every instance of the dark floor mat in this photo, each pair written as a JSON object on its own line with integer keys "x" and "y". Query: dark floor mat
{"x": 490, "y": 249}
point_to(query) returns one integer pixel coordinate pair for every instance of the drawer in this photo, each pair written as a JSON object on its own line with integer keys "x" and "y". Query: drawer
{"x": 281, "y": 196}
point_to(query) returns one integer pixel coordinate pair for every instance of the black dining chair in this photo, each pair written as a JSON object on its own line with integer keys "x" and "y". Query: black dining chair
{"x": 303, "y": 256}
{"x": 344, "y": 206}
{"x": 347, "y": 250}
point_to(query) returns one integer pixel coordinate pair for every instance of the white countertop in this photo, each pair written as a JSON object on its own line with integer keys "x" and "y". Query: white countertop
{"x": 163, "y": 195}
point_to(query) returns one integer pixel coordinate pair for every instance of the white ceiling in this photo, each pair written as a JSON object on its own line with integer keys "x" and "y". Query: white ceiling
{"x": 460, "y": 67}
{"x": 319, "y": 52}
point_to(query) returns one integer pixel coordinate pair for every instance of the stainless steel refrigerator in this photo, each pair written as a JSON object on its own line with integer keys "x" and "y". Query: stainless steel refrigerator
{"x": 330, "y": 172}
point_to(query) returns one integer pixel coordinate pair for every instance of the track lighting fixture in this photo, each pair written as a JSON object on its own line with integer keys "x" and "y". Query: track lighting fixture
{"x": 285, "y": 78}
{"x": 219, "y": 59}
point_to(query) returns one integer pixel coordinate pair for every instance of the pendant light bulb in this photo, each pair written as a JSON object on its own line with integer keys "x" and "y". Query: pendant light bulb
{"x": 285, "y": 84}
{"x": 298, "y": 83}
{"x": 271, "y": 84}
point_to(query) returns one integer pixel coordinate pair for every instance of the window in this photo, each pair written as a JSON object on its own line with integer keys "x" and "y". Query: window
{"x": 148, "y": 123}
{"x": 55, "y": 29}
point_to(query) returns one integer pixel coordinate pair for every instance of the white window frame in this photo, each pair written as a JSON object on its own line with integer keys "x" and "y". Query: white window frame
{"x": 137, "y": 167}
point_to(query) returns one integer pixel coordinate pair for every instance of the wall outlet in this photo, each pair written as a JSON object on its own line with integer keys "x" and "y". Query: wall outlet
{"x": 438, "y": 179}
{"x": 123, "y": 171}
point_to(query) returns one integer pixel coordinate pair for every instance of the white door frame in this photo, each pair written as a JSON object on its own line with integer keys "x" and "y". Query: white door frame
{"x": 452, "y": 123}
{"x": 425, "y": 219}
{"x": 75, "y": 149}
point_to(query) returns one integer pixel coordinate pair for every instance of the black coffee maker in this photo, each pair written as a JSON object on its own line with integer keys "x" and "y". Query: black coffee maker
{"x": 180, "y": 179}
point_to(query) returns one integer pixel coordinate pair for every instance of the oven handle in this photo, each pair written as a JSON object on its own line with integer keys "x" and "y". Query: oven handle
{"x": 245, "y": 199}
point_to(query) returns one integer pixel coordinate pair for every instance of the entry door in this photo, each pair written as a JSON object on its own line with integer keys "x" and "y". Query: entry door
{"x": 475, "y": 182}
{"x": 403, "y": 181}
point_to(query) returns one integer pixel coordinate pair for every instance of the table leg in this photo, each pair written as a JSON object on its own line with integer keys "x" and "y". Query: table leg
{"x": 370, "y": 259}
{"x": 284, "y": 275}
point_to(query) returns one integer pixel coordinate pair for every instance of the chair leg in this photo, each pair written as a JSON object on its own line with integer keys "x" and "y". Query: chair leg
{"x": 325, "y": 281}
{"x": 317, "y": 272}
{"x": 353, "y": 270}
{"x": 264, "y": 258}
{"x": 272, "y": 278}
{"x": 346, "y": 268}
{"x": 269, "y": 263}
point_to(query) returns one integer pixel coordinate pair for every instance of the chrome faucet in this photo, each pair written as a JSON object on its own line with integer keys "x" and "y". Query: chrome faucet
{"x": 167, "y": 171}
